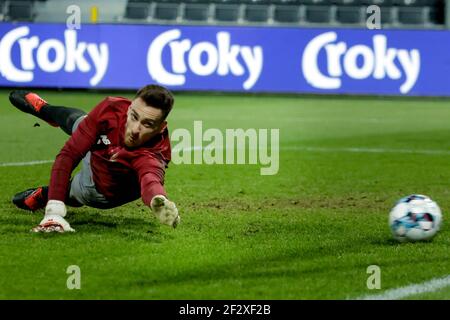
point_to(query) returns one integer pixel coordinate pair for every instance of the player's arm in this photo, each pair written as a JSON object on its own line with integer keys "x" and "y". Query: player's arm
{"x": 151, "y": 176}
{"x": 69, "y": 157}
{"x": 66, "y": 161}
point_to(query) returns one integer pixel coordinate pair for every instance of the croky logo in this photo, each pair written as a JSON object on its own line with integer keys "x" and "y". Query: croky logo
{"x": 358, "y": 62}
{"x": 50, "y": 55}
{"x": 202, "y": 59}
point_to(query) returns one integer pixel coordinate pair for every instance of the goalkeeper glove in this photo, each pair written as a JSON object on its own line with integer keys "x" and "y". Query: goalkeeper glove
{"x": 54, "y": 221}
{"x": 165, "y": 210}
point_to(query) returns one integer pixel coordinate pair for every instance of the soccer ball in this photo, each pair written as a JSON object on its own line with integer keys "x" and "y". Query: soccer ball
{"x": 415, "y": 218}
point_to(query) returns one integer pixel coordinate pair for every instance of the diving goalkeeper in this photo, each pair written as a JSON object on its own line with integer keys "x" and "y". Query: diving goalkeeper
{"x": 124, "y": 148}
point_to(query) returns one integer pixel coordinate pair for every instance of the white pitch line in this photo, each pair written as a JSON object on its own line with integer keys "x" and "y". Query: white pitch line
{"x": 23, "y": 164}
{"x": 288, "y": 148}
{"x": 370, "y": 150}
{"x": 349, "y": 149}
{"x": 432, "y": 285}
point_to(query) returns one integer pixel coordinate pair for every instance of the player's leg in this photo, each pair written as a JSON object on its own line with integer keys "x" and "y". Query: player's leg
{"x": 83, "y": 190}
{"x": 31, "y": 199}
{"x": 56, "y": 116}
{"x": 36, "y": 198}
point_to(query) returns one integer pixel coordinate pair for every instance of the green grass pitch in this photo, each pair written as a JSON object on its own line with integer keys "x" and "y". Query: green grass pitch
{"x": 309, "y": 232}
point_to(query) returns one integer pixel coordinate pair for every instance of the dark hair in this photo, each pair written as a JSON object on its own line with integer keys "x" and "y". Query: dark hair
{"x": 157, "y": 97}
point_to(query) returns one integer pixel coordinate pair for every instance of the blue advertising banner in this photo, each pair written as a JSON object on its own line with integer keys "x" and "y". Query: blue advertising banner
{"x": 240, "y": 59}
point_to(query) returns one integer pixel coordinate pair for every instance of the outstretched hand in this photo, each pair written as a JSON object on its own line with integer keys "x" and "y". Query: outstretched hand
{"x": 165, "y": 210}
{"x": 54, "y": 221}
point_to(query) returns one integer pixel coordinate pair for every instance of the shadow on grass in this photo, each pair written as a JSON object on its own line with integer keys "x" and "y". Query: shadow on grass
{"x": 315, "y": 262}
{"x": 135, "y": 228}
{"x": 395, "y": 243}
{"x": 86, "y": 223}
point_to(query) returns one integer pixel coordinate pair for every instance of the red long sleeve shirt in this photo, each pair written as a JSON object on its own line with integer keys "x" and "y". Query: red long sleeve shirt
{"x": 119, "y": 173}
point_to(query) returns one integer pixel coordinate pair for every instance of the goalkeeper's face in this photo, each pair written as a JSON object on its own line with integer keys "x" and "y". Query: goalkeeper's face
{"x": 143, "y": 123}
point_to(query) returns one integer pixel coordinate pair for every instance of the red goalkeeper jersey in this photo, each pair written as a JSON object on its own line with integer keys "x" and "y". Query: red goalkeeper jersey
{"x": 119, "y": 173}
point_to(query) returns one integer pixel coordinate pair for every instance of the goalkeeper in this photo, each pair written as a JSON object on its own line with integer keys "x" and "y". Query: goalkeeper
{"x": 124, "y": 148}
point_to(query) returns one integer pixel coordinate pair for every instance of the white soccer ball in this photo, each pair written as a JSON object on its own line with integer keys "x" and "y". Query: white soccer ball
{"x": 415, "y": 218}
